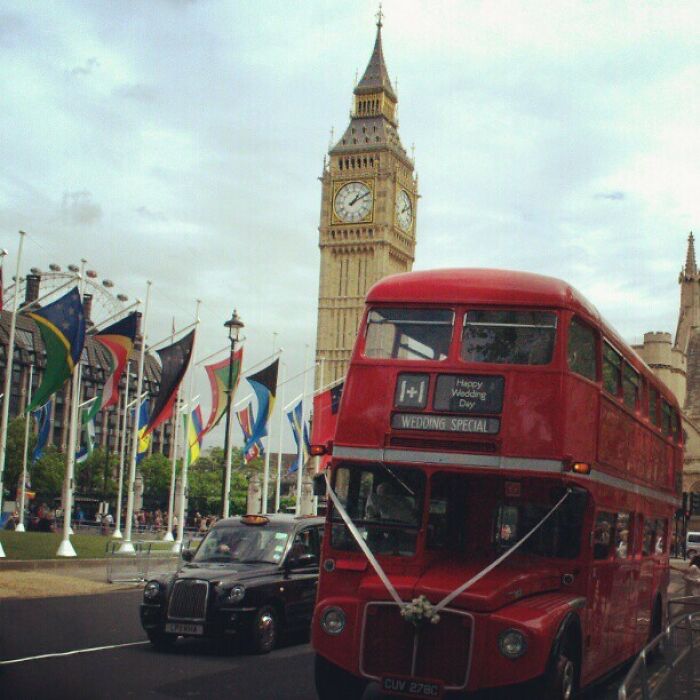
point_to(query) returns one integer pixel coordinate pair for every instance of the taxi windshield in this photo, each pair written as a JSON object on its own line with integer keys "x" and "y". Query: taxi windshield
{"x": 247, "y": 544}
{"x": 408, "y": 334}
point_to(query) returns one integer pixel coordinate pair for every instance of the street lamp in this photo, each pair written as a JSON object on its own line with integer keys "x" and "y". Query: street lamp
{"x": 234, "y": 326}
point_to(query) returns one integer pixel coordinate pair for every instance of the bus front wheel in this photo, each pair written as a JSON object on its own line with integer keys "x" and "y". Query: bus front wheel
{"x": 561, "y": 680}
{"x": 335, "y": 683}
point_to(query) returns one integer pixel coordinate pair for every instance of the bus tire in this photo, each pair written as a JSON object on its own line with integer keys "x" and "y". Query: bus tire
{"x": 561, "y": 680}
{"x": 335, "y": 683}
{"x": 656, "y": 623}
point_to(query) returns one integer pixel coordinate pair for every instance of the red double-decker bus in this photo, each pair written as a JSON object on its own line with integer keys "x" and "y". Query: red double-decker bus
{"x": 503, "y": 477}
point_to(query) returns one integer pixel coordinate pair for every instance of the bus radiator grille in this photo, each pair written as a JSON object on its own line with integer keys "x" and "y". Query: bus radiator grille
{"x": 443, "y": 651}
{"x": 189, "y": 600}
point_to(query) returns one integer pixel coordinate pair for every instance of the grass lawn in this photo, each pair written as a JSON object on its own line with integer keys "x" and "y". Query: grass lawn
{"x": 43, "y": 545}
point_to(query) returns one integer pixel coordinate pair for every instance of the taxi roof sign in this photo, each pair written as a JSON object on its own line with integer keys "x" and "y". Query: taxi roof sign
{"x": 252, "y": 519}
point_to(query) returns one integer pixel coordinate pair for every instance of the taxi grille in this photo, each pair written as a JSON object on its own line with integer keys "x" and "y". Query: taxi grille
{"x": 392, "y": 646}
{"x": 189, "y": 600}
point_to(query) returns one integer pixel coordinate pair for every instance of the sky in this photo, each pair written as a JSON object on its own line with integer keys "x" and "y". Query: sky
{"x": 181, "y": 142}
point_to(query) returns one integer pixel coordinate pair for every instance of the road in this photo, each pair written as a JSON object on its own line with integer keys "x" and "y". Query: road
{"x": 114, "y": 659}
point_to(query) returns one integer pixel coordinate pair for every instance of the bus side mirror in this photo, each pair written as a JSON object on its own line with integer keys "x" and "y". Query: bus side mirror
{"x": 320, "y": 484}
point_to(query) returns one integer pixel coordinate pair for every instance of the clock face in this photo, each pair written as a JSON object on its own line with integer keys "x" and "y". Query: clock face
{"x": 353, "y": 202}
{"x": 404, "y": 210}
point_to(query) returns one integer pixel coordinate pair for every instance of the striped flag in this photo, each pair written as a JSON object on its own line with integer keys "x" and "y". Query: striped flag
{"x": 246, "y": 420}
{"x": 118, "y": 341}
{"x": 218, "y": 380}
{"x": 299, "y": 427}
{"x": 195, "y": 434}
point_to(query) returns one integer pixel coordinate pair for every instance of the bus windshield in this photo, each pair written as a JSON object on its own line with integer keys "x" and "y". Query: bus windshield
{"x": 509, "y": 337}
{"x": 385, "y": 503}
{"x": 408, "y": 334}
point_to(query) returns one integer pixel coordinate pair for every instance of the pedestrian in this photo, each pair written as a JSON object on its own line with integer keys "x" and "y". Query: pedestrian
{"x": 692, "y": 577}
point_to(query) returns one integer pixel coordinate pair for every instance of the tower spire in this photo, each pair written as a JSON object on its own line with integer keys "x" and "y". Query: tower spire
{"x": 376, "y": 76}
{"x": 691, "y": 268}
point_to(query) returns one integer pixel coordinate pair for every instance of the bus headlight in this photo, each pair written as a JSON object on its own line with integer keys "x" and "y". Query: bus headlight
{"x": 512, "y": 643}
{"x": 333, "y": 621}
{"x": 151, "y": 590}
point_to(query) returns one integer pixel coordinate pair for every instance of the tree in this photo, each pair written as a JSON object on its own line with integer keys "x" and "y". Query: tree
{"x": 47, "y": 474}
{"x": 90, "y": 474}
{"x": 14, "y": 453}
{"x": 155, "y": 470}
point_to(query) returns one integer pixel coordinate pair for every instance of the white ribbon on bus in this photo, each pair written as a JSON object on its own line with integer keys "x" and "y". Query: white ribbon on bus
{"x": 457, "y": 591}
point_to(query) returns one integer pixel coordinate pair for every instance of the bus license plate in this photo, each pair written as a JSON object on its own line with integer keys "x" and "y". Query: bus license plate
{"x": 183, "y": 628}
{"x": 411, "y": 687}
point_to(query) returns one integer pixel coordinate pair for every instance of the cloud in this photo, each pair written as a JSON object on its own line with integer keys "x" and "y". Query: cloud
{"x": 149, "y": 215}
{"x": 78, "y": 209}
{"x": 137, "y": 92}
{"x": 90, "y": 66}
{"x": 614, "y": 196}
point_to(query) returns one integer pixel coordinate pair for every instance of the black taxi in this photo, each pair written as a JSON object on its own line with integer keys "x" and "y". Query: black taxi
{"x": 251, "y": 576}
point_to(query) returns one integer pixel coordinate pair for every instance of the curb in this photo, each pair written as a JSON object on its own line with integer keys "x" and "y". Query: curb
{"x": 33, "y": 564}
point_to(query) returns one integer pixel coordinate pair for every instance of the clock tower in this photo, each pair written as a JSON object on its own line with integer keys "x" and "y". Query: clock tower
{"x": 368, "y": 215}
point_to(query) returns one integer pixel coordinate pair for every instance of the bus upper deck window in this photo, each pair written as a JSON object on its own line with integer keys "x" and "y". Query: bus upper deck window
{"x": 408, "y": 334}
{"x": 630, "y": 386}
{"x": 581, "y": 349}
{"x": 612, "y": 370}
{"x": 654, "y": 405}
{"x": 509, "y": 337}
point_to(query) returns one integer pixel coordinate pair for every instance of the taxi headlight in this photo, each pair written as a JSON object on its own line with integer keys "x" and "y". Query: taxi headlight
{"x": 333, "y": 621}
{"x": 151, "y": 590}
{"x": 512, "y": 644}
{"x": 237, "y": 593}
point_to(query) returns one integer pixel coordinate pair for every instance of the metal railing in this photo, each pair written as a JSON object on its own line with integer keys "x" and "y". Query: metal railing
{"x": 150, "y": 558}
{"x": 666, "y": 667}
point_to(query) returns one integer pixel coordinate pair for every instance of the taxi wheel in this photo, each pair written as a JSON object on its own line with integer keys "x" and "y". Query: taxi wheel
{"x": 160, "y": 640}
{"x": 265, "y": 630}
{"x": 334, "y": 683}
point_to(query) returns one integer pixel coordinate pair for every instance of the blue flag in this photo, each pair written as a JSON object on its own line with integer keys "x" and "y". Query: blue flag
{"x": 42, "y": 416}
{"x": 144, "y": 438}
{"x": 296, "y": 421}
{"x": 264, "y": 384}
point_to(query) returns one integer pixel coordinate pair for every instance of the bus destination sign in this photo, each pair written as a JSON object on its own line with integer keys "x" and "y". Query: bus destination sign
{"x": 445, "y": 424}
{"x": 468, "y": 393}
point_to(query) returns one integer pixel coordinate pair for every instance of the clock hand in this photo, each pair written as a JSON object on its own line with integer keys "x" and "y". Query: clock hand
{"x": 354, "y": 200}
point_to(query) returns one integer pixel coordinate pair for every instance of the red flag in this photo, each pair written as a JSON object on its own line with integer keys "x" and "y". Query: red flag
{"x": 326, "y": 405}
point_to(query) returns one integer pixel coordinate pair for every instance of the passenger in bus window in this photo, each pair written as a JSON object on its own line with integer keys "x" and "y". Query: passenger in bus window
{"x": 387, "y": 504}
{"x": 602, "y": 536}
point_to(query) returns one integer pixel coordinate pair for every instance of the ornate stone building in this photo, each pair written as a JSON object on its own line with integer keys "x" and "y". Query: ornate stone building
{"x": 677, "y": 363}
{"x": 368, "y": 214}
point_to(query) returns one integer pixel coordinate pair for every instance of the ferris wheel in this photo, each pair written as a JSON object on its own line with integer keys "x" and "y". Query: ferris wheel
{"x": 105, "y": 301}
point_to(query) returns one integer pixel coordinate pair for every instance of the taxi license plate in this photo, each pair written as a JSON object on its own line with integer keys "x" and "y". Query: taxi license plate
{"x": 411, "y": 687}
{"x": 183, "y": 628}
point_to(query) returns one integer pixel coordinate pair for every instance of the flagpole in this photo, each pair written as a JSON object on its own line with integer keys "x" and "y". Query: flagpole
{"x": 300, "y": 451}
{"x": 177, "y": 546}
{"x": 227, "y": 462}
{"x": 127, "y": 547}
{"x": 266, "y": 470}
{"x": 173, "y": 469}
{"x": 117, "y": 534}
{"x": 317, "y": 460}
{"x": 23, "y": 492}
{"x": 278, "y": 486}
{"x": 65, "y": 549}
{"x": 10, "y": 355}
